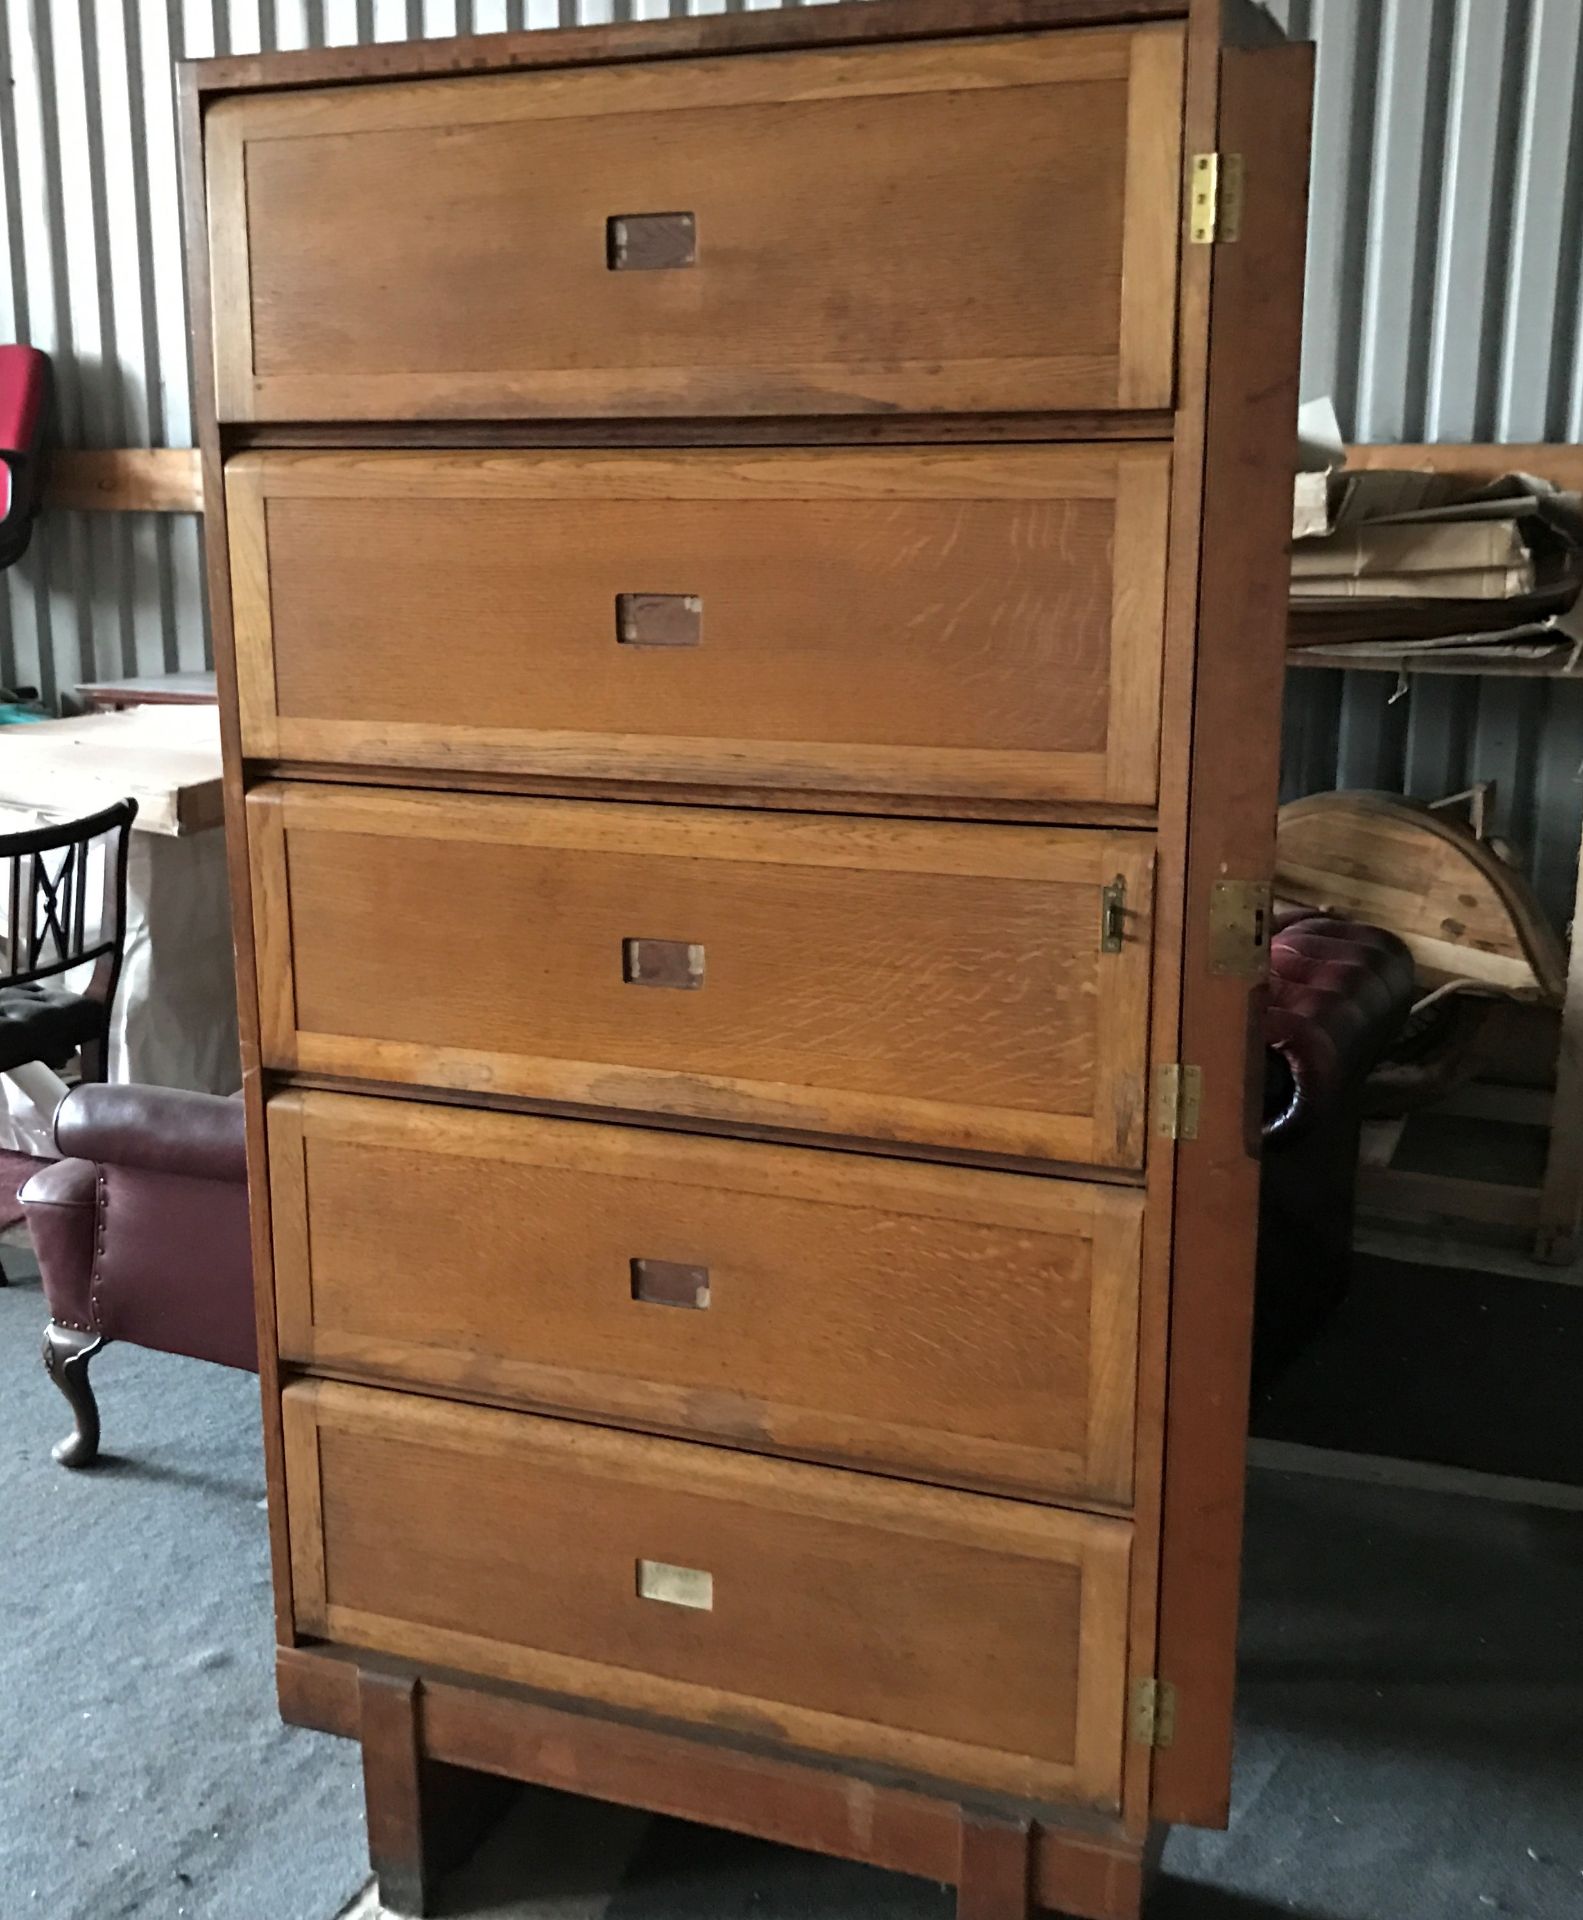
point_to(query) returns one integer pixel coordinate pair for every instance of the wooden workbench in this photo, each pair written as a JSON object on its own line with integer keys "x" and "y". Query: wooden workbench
{"x": 166, "y": 757}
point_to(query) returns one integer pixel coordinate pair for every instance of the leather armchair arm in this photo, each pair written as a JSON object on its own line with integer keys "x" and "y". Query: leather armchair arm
{"x": 154, "y": 1129}
{"x": 1339, "y": 994}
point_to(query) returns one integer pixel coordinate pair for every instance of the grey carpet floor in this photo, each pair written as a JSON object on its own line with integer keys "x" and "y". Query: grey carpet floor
{"x": 1410, "y": 1728}
{"x": 145, "y": 1769}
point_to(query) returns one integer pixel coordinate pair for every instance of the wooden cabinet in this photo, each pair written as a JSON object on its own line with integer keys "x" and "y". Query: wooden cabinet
{"x": 747, "y": 568}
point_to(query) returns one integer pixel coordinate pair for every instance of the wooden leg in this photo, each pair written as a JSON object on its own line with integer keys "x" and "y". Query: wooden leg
{"x": 995, "y": 1876}
{"x": 67, "y": 1351}
{"x": 423, "y": 1818}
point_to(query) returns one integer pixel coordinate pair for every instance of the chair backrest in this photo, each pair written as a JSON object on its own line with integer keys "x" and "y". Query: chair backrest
{"x": 51, "y": 924}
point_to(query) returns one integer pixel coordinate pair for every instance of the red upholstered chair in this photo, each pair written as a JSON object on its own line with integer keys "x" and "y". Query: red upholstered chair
{"x": 141, "y": 1234}
{"x": 24, "y": 418}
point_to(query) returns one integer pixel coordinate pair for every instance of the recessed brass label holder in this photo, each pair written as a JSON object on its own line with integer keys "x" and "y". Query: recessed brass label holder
{"x": 649, "y": 242}
{"x": 676, "y": 1586}
{"x": 663, "y": 963}
{"x": 670, "y": 1283}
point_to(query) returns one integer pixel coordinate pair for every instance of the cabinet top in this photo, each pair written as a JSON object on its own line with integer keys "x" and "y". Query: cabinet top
{"x": 770, "y": 30}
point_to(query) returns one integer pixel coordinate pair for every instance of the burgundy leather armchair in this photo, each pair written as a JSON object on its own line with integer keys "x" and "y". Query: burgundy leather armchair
{"x": 141, "y": 1233}
{"x": 1339, "y": 995}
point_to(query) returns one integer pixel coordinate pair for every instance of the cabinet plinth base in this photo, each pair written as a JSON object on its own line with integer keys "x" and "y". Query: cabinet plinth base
{"x": 424, "y": 1734}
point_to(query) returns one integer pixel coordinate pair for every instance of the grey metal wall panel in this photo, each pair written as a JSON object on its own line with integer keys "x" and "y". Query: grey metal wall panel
{"x": 1445, "y": 302}
{"x": 1444, "y": 289}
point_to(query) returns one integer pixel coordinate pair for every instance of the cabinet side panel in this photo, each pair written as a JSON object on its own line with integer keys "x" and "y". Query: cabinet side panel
{"x": 1256, "y": 310}
{"x": 216, "y": 552}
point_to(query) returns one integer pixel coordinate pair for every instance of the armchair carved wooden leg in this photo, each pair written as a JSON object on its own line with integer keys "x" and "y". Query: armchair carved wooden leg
{"x": 67, "y": 1351}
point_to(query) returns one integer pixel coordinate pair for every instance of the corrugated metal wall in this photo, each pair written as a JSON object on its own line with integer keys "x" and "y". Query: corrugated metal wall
{"x": 1445, "y": 302}
{"x": 1445, "y": 282}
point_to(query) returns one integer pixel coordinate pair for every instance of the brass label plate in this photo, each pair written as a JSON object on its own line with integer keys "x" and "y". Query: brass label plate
{"x": 676, "y": 1586}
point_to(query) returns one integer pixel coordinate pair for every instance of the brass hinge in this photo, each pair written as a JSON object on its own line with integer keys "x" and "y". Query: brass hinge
{"x": 1154, "y": 1713}
{"x": 1113, "y": 915}
{"x": 1239, "y": 928}
{"x": 1177, "y": 1093}
{"x": 1214, "y": 198}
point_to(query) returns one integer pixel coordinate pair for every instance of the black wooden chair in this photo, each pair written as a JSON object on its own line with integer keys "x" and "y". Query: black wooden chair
{"x": 53, "y": 928}
{"x": 54, "y": 924}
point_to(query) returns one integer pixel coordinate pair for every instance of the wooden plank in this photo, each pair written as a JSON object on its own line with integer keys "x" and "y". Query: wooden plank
{"x": 1560, "y": 462}
{"x": 125, "y": 480}
{"x": 1441, "y": 1197}
{"x": 149, "y": 690}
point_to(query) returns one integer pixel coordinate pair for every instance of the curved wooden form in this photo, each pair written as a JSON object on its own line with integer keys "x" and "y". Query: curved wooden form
{"x": 1462, "y": 910}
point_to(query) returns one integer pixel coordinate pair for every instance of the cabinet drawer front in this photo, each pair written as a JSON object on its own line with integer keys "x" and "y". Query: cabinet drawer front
{"x": 950, "y": 1634}
{"x": 962, "y": 227}
{"x": 935, "y": 1321}
{"x": 944, "y": 985}
{"x": 984, "y": 624}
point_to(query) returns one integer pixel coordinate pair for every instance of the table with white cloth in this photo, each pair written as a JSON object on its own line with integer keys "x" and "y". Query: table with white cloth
{"x": 175, "y": 1013}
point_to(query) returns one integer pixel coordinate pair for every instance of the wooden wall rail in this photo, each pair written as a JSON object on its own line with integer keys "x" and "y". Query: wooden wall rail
{"x": 125, "y": 480}
{"x": 1560, "y": 462}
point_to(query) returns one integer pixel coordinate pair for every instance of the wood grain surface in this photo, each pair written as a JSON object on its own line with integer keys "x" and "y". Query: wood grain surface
{"x": 848, "y": 1614}
{"x": 890, "y": 980}
{"x": 923, "y": 227}
{"x": 948, "y": 1324}
{"x": 868, "y": 622}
